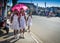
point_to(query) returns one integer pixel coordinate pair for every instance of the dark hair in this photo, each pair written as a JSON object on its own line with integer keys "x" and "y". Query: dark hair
{"x": 21, "y": 9}
{"x": 15, "y": 10}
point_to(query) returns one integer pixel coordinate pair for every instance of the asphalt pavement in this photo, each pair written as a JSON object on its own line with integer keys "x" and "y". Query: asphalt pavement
{"x": 47, "y": 29}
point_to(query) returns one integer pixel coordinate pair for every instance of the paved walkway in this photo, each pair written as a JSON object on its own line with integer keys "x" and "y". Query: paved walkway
{"x": 10, "y": 38}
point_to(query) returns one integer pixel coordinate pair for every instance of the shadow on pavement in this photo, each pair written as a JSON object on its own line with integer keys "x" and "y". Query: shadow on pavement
{"x": 2, "y": 33}
{"x": 5, "y": 41}
{"x": 8, "y": 40}
{"x": 8, "y": 35}
{"x": 12, "y": 39}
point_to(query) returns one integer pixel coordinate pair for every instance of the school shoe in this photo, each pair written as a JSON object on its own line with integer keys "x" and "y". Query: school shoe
{"x": 22, "y": 35}
{"x": 15, "y": 36}
{"x": 18, "y": 36}
{"x": 28, "y": 31}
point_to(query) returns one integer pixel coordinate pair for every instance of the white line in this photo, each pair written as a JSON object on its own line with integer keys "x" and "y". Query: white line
{"x": 33, "y": 36}
{"x": 35, "y": 39}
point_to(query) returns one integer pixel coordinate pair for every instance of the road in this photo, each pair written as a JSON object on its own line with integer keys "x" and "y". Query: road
{"x": 46, "y": 29}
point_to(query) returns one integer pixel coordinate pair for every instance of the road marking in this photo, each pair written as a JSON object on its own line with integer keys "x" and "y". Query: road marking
{"x": 33, "y": 36}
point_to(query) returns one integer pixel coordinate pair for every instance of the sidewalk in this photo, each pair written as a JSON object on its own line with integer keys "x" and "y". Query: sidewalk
{"x": 10, "y": 38}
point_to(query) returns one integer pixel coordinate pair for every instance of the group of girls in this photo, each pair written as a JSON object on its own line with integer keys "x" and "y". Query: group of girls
{"x": 19, "y": 22}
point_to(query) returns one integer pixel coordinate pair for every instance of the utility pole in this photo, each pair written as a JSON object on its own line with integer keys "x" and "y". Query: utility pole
{"x": 30, "y": 6}
{"x": 37, "y": 9}
{"x": 45, "y": 4}
{"x": 45, "y": 8}
{"x": 31, "y": 1}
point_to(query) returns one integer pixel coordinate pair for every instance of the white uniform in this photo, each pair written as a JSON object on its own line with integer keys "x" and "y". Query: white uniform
{"x": 15, "y": 24}
{"x": 29, "y": 22}
{"x": 22, "y": 22}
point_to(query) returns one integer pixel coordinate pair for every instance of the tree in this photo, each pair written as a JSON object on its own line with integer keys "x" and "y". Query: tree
{"x": 14, "y": 2}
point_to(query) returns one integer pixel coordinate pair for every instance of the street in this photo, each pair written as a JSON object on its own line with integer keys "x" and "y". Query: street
{"x": 47, "y": 29}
